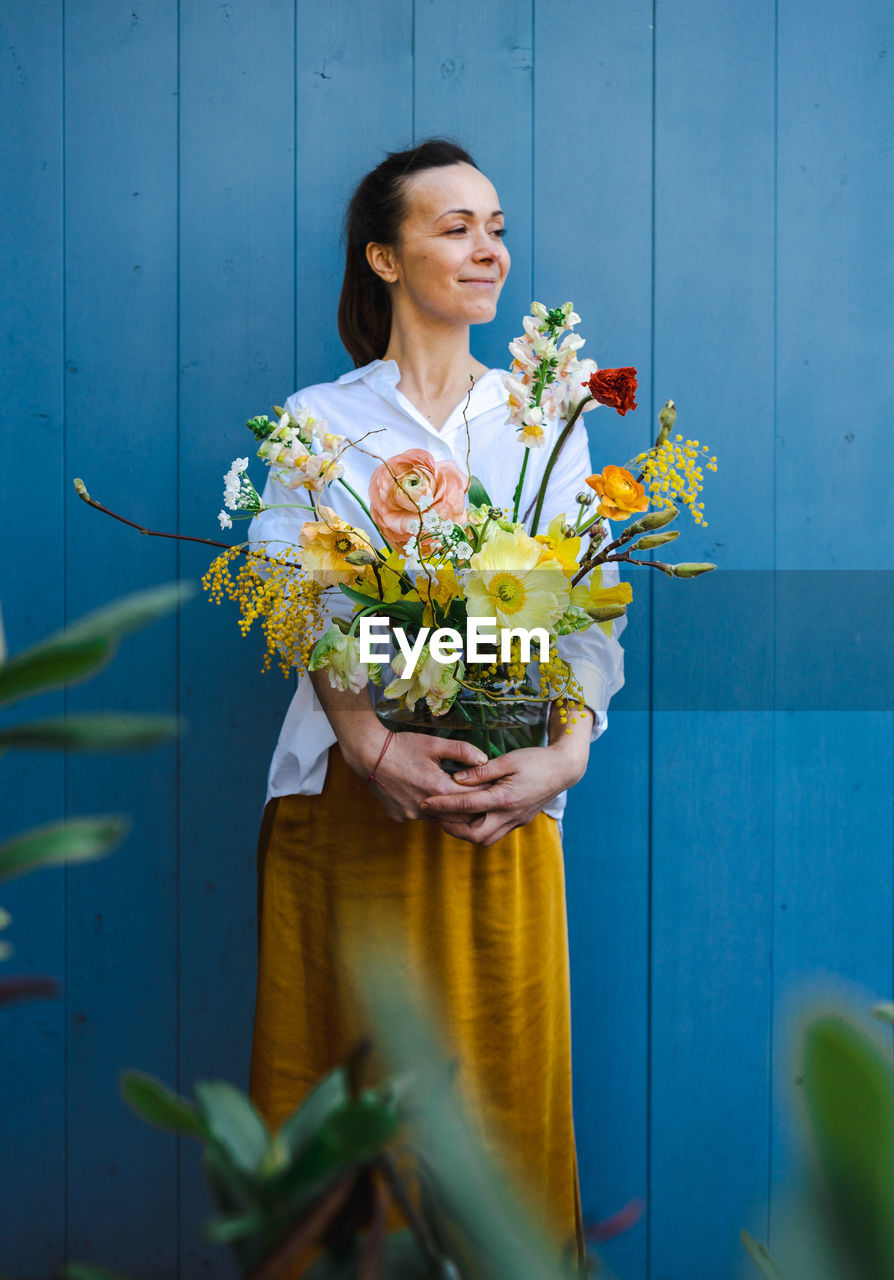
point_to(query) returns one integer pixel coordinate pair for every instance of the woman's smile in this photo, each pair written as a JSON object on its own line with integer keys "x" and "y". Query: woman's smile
{"x": 450, "y": 263}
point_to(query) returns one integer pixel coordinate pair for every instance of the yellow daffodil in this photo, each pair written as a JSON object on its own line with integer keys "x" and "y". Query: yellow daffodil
{"x": 562, "y": 548}
{"x": 391, "y": 570}
{"x": 510, "y": 582}
{"x": 437, "y": 585}
{"x": 593, "y": 595}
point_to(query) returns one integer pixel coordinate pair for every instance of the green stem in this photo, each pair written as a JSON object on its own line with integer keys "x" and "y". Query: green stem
{"x": 520, "y": 485}
{"x": 557, "y": 449}
{"x": 357, "y": 498}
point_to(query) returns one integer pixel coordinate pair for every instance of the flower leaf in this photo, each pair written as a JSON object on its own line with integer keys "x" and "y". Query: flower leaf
{"x": 49, "y": 666}
{"x": 477, "y": 495}
{"x": 849, "y": 1096}
{"x": 96, "y": 731}
{"x": 155, "y": 1102}
{"x": 234, "y": 1122}
{"x": 89, "y": 1271}
{"x": 74, "y": 840}
{"x": 130, "y": 613}
{"x": 327, "y": 1096}
{"x": 761, "y": 1257}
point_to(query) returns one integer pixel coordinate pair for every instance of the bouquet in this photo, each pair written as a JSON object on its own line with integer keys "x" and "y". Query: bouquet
{"x": 466, "y": 599}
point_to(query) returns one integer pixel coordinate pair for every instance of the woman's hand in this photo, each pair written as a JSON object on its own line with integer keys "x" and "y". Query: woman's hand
{"x": 508, "y": 792}
{"x": 410, "y": 770}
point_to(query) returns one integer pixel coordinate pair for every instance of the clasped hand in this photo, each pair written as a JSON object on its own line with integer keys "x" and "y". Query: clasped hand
{"x": 486, "y": 799}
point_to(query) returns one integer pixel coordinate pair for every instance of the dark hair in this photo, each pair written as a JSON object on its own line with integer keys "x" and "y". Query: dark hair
{"x": 375, "y": 213}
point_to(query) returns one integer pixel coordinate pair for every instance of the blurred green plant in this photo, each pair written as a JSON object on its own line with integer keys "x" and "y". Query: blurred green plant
{"x": 842, "y": 1225}
{"x": 70, "y": 656}
{"x": 324, "y": 1180}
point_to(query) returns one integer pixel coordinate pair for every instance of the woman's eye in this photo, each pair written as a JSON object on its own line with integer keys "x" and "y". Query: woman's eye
{"x": 499, "y": 231}
{"x": 453, "y": 231}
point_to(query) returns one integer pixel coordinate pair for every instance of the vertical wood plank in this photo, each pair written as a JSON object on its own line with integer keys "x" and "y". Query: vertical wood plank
{"x": 711, "y": 787}
{"x": 121, "y": 415}
{"x": 592, "y": 243}
{"x": 833, "y": 921}
{"x": 354, "y": 85}
{"x": 32, "y": 1045}
{"x": 236, "y": 359}
{"x": 473, "y": 83}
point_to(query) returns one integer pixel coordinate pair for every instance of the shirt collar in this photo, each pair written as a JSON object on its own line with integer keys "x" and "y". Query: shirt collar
{"x": 487, "y": 393}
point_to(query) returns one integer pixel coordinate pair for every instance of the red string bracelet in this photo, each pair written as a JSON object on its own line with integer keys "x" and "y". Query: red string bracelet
{"x": 372, "y": 777}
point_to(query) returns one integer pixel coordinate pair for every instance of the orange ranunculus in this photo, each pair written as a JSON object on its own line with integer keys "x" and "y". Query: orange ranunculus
{"x": 621, "y": 495}
{"x": 402, "y": 489}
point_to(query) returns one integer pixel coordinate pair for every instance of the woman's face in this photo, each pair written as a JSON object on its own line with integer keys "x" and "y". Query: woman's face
{"x": 450, "y": 261}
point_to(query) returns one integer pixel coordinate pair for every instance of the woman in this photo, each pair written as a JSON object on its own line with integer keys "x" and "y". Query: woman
{"x": 471, "y": 864}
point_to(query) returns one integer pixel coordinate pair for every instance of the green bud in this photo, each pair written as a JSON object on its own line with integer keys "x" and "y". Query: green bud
{"x": 667, "y": 418}
{"x": 691, "y": 570}
{"x": 658, "y": 519}
{"x": 652, "y": 520}
{"x": 605, "y": 612}
{"x": 361, "y": 556}
{"x": 585, "y": 497}
{"x": 655, "y": 540}
{"x": 260, "y": 427}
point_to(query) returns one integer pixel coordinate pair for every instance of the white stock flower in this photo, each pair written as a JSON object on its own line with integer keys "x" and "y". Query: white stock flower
{"x": 225, "y": 521}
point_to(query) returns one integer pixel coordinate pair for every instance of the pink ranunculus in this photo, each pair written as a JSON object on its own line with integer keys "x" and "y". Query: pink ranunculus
{"x": 412, "y": 483}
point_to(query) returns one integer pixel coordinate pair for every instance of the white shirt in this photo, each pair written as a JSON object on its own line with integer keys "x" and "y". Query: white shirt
{"x": 368, "y": 399}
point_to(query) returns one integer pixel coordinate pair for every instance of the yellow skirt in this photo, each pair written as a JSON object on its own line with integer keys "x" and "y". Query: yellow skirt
{"x": 485, "y": 932}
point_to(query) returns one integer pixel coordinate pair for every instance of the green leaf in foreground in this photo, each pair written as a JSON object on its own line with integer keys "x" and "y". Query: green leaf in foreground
{"x": 74, "y": 840}
{"x": 849, "y": 1096}
{"x": 155, "y": 1102}
{"x": 327, "y": 1096}
{"x": 50, "y": 666}
{"x": 91, "y": 731}
{"x": 130, "y": 613}
{"x": 234, "y": 1122}
{"x": 88, "y": 1271}
{"x": 501, "y": 1234}
{"x": 761, "y": 1257}
{"x": 85, "y": 645}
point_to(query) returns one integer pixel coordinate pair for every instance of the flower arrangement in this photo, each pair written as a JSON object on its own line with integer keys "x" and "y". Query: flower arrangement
{"x": 462, "y": 588}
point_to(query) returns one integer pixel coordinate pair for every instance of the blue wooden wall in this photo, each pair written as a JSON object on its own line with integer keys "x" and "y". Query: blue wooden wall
{"x": 710, "y": 183}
